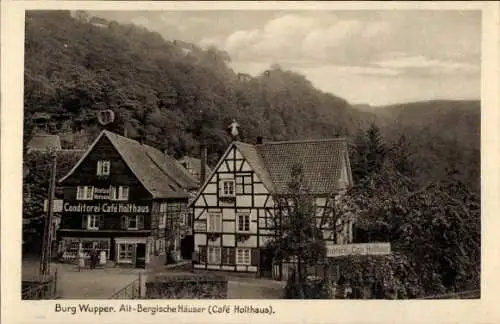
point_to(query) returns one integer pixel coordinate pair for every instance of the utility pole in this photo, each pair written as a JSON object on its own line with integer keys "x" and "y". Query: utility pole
{"x": 47, "y": 232}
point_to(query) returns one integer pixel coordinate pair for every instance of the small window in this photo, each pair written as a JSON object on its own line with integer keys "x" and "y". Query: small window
{"x": 243, "y": 222}
{"x": 132, "y": 222}
{"x": 243, "y": 256}
{"x": 85, "y": 193}
{"x": 122, "y": 193}
{"x": 214, "y": 222}
{"x": 227, "y": 188}
{"x": 214, "y": 255}
{"x": 93, "y": 222}
{"x": 103, "y": 168}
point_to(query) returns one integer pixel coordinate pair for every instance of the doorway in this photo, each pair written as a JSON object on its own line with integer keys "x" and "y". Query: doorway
{"x": 266, "y": 263}
{"x": 140, "y": 255}
{"x": 187, "y": 247}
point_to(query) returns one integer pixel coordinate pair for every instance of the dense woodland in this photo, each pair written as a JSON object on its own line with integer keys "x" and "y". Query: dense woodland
{"x": 423, "y": 158}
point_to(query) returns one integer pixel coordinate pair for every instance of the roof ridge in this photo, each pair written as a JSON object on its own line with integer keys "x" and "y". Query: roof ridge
{"x": 320, "y": 140}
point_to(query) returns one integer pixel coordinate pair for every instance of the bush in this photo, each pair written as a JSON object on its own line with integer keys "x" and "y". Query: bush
{"x": 375, "y": 277}
{"x": 313, "y": 288}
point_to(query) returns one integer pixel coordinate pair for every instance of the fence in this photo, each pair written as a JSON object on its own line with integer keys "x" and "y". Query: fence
{"x": 130, "y": 291}
{"x": 42, "y": 289}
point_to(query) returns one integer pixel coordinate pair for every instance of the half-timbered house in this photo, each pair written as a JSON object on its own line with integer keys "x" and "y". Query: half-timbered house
{"x": 126, "y": 199}
{"x": 236, "y": 208}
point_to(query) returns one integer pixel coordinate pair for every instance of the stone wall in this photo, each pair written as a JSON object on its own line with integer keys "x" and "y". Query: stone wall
{"x": 186, "y": 287}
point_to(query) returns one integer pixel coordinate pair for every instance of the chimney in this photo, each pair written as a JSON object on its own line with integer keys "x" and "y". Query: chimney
{"x": 203, "y": 162}
{"x": 259, "y": 140}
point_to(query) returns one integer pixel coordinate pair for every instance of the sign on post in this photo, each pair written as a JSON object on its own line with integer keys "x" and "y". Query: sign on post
{"x": 333, "y": 250}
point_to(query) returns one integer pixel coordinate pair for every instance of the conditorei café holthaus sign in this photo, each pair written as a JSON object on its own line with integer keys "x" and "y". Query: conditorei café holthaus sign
{"x": 105, "y": 206}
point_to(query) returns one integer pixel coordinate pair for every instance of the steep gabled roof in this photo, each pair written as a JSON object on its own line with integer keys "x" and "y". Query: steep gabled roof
{"x": 321, "y": 162}
{"x": 253, "y": 158}
{"x": 159, "y": 174}
{"x": 44, "y": 142}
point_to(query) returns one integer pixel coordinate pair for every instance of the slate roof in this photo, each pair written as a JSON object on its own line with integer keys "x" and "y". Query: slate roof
{"x": 43, "y": 142}
{"x": 321, "y": 162}
{"x": 161, "y": 175}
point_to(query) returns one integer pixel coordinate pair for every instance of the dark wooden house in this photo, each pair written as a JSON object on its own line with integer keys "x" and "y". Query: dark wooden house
{"x": 129, "y": 201}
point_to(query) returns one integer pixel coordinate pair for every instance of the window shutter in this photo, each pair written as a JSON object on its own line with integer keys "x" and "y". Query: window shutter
{"x": 224, "y": 255}
{"x": 203, "y": 254}
{"x": 84, "y": 221}
{"x": 140, "y": 222}
{"x": 255, "y": 257}
{"x": 101, "y": 222}
{"x": 99, "y": 167}
{"x": 124, "y": 222}
{"x": 232, "y": 256}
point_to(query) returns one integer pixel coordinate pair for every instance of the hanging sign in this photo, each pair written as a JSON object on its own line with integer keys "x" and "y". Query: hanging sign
{"x": 335, "y": 250}
{"x": 122, "y": 208}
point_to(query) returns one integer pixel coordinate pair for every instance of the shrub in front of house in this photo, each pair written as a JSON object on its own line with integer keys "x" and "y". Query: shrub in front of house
{"x": 373, "y": 277}
{"x": 186, "y": 287}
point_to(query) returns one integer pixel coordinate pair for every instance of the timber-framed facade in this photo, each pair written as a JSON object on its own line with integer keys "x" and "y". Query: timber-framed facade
{"x": 238, "y": 207}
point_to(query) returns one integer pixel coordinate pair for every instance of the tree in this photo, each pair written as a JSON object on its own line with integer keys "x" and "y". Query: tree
{"x": 298, "y": 234}
{"x": 436, "y": 226}
{"x": 369, "y": 153}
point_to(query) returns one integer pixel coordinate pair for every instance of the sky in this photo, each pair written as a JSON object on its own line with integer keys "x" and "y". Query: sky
{"x": 364, "y": 56}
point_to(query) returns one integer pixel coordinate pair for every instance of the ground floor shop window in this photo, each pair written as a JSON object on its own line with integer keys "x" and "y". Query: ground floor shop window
{"x": 243, "y": 256}
{"x": 70, "y": 247}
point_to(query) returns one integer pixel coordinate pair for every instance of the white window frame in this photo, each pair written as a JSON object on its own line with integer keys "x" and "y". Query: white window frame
{"x": 225, "y": 193}
{"x": 103, "y": 168}
{"x": 136, "y": 218}
{"x": 214, "y": 254}
{"x": 217, "y": 223}
{"x": 84, "y": 193}
{"x": 121, "y": 195}
{"x": 241, "y": 225}
{"x": 243, "y": 256}
{"x": 128, "y": 254}
{"x": 93, "y": 222}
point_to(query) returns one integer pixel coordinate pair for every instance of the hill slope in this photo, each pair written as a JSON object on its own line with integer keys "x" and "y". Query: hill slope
{"x": 167, "y": 92}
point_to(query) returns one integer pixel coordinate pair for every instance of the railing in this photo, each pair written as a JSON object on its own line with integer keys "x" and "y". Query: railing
{"x": 130, "y": 291}
{"x": 46, "y": 289}
{"x": 469, "y": 294}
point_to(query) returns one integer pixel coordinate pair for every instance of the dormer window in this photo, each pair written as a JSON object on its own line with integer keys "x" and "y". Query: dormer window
{"x": 227, "y": 189}
{"x": 103, "y": 168}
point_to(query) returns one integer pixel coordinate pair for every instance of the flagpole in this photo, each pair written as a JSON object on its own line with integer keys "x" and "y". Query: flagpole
{"x": 47, "y": 233}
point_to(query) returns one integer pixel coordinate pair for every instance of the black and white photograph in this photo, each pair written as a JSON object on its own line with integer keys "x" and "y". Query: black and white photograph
{"x": 251, "y": 154}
